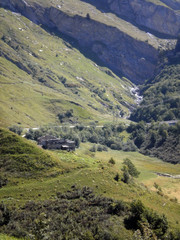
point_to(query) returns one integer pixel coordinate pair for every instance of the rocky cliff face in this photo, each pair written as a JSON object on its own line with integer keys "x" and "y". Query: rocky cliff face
{"x": 135, "y": 59}
{"x": 160, "y": 18}
{"x": 174, "y": 4}
{"x": 34, "y": 12}
{"x": 132, "y": 58}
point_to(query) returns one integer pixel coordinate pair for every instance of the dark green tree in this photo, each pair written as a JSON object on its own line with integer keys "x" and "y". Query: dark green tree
{"x": 126, "y": 177}
{"x": 131, "y": 168}
{"x": 16, "y": 129}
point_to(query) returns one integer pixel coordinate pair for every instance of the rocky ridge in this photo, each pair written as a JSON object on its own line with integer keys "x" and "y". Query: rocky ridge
{"x": 160, "y": 17}
{"x": 127, "y": 56}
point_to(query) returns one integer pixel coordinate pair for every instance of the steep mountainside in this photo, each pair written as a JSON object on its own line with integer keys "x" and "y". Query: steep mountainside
{"x": 161, "y": 99}
{"x": 50, "y": 55}
{"x": 120, "y": 45}
{"x": 43, "y": 75}
{"x": 162, "y": 94}
{"x": 156, "y": 15}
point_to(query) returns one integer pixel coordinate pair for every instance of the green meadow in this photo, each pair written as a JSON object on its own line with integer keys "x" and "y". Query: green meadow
{"x": 85, "y": 168}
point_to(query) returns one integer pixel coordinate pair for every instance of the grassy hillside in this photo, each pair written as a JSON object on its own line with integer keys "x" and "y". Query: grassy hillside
{"x": 53, "y": 74}
{"x": 39, "y": 179}
{"x": 43, "y": 75}
{"x": 94, "y": 171}
{"x": 87, "y": 194}
{"x": 19, "y": 157}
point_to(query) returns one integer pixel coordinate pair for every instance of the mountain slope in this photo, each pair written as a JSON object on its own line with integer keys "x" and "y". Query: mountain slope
{"x": 161, "y": 100}
{"x": 48, "y": 60}
{"x": 19, "y": 157}
{"x": 160, "y": 17}
{"x": 54, "y": 69}
{"x": 43, "y": 75}
{"x": 119, "y": 44}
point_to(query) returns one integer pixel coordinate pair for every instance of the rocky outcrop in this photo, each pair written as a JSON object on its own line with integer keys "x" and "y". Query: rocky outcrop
{"x": 157, "y": 17}
{"x": 174, "y": 4}
{"x": 122, "y": 53}
{"x": 34, "y": 12}
{"x": 135, "y": 59}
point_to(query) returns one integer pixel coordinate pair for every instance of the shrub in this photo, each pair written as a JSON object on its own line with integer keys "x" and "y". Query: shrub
{"x": 175, "y": 200}
{"x": 116, "y": 178}
{"x": 116, "y": 146}
{"x": 174, "y": 235}
{"x": 88, "y": 16}
{"x": 126, "y": 176}
{"x": 112, "y": 161}
{"x": 99, "y": 148}
{"x": 75, "y": 214}
{"x": 65, "y": 116}
{"x": 120, "y": 127}
{"x": 139, "y": 139}
{"x": 131, "y": 168}
{"x": 77, "y": 140}
{"x": 3, "y": 181}
{"x": 94, "y": 138}
{"x": 140, "y": 215}
{"x": 16, "y": 129}
{"x": 4, "y": 215}
{"x": 69, "y": 113}
{"x": 156, "y": 185}
{"x": 117, "y": 208}
{"x": 105, "y": 149}
{"x": 93, "y": 148}
{"x": 129, "y": 146}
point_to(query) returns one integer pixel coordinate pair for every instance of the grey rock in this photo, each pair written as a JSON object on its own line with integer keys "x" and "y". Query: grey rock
{"x": 157, "y": 17}
{"x": 122, "y": 53}
{"x": 174, "y": 4}
{"x": 135, "y": 59}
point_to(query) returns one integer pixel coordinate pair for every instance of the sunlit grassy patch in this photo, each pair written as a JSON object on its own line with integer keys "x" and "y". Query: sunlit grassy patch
{"x": 50, "y": 75}
{"x": 6, "y": 237}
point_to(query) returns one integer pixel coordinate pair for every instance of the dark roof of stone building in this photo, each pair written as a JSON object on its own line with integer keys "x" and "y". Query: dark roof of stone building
{"x": 46, "y": 137}
{"x": 52, "y": 139}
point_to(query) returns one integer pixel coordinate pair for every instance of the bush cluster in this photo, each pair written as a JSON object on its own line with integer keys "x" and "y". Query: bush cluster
{"x": 76, "y": 214}
{"x": 66, "y": 116}
{"x": 161, "y": 99}
{"x": 141, "y": 215}
{"x": 129, "y": 171}
{"x": 82, "y": 215}
{"x": 159, "y": 140}
{"x": 107, "y": 136}
{"x": 3, "y": 181}
{"x": 16, "y": 129}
